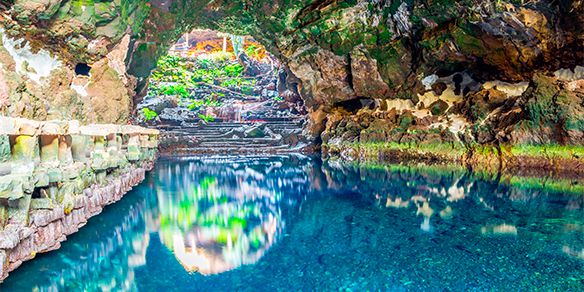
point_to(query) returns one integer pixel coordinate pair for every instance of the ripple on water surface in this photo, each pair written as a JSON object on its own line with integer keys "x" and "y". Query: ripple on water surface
{"x": 296, "y": 223}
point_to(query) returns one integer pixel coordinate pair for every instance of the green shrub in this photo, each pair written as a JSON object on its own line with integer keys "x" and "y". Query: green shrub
{"x": 149, "y": 114}
{"x": 170, "y": 89}
{"x": 206, "y": 118}
{"x": 232, "y": 70}
{"x": 207, "y": 102}
{"x": 238, "y": 82}
{"x": 253, "y": 51}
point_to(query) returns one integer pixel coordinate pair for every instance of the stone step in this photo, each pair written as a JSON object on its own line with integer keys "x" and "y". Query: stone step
{"x": 216, "y": 127}
{"x": 229, "y": 124}
{"x": 216, "y": 137}
{"x": 221, "y": 150}
{"x": 222, "y": 131}
{"x": 239, "y": 145}
{"x": 235, "y": 124}
{"x": 238, "y": 140}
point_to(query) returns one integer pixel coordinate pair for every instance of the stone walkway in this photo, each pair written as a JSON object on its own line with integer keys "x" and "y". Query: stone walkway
{"x": 221, "y": 137}
{"x": 55, "y": 175}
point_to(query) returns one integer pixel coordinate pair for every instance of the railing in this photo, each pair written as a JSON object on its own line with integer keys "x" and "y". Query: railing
{"x": 50, "y": 166}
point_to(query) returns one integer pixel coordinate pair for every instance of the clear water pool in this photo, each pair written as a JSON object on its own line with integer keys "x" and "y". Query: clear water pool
{"x": 294, "y": 223}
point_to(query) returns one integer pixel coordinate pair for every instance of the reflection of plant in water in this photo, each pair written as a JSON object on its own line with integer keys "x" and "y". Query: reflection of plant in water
{"x": 212, "y": 229}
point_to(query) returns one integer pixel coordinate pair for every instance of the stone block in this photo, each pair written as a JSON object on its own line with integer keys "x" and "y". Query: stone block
{"x": 49, "y": 148}
{"x": 72, "y": 171}
{"x": 8, "y": 126}
{"x": 25, "y": 148}
{"x": 94, "y": 130}
{"x": 55, "y": 175}
{"x": 9, "y": 237}
{"x": 47, "y": 237}
{"x": 44, "y": 217}
{"x": 42, "y": 204}
{"x": 100, "y": 159}
{"x": 27, "y": 127}
{"x": 12, "y": 187}
{"x": 133, "y": 153}
{"x": 67, "y": 196}
{"x": 4, "y": 148}
{"x": 72, "y": 127}
{"x": 81, "y": 147}
{"x": 87, "y": 178}
{"x": 25, "y": 232}
{"x": 52, "y": 128}
{"x": 3, "y": 216}
{"x": 25, "y": 250}
{"x": 5, "y": 169}
{"x": 65, "y": 152}
{"x": 41, "y": 177}
{"x": 18, "y": 210}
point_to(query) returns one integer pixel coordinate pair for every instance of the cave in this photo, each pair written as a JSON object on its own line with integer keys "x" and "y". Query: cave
{"x": 354, "y": 105}
{"x": 214, "y": 92}
{"x": 312, "y": 145}
{"x": 82, "y": 69}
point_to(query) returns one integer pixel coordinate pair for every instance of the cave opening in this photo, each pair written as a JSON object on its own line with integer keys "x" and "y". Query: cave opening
{"x": 214, "y": 92}
{"x": 82, "y": 69}
{"x": 354, "y": 105}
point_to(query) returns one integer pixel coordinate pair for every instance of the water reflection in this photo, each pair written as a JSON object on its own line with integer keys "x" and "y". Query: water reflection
{"x": 104, "y": 256}
{"x": 221, "y": 213}
{"x": 218, "y": 213}
{"x": 295, "y": 223}
{"x": 493, "y": 207}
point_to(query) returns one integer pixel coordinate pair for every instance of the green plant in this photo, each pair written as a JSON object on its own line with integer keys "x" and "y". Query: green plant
{"x": 232, "y": 70}
{"x": 214, "y": 59}
{"x": 206, "y": 118}
{"x": 238, "y": 82}
{"x": 207, "y": 102}
{"x": 178, "y": 89}
{"x": 253, "y": 51}
{"x": 149, "y": 114}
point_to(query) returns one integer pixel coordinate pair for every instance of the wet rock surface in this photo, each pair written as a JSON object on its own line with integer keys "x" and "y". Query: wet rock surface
{"x": 493, "y": 125}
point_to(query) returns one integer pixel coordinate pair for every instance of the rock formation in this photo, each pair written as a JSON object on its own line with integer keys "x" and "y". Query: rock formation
{"x": 471, "y": 74}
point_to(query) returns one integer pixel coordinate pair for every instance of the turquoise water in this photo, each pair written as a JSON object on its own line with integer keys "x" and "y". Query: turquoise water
{"x": 295, "y": 223}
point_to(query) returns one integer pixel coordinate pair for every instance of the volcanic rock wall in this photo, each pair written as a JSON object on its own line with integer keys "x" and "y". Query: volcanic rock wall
{"x": 56, "y": 175}
{"x": 488, "y": 71}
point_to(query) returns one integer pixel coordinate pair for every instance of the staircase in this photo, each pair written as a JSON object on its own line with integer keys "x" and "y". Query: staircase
{"x": 277, "y": 135}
